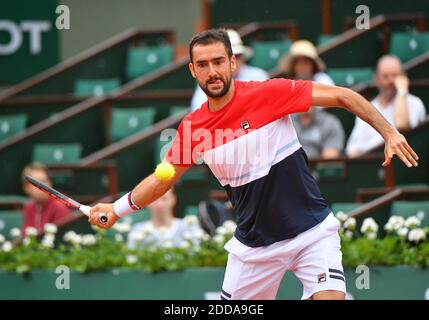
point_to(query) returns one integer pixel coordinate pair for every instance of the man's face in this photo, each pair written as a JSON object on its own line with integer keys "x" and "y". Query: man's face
{"x": 385, "y": 77}
{"x": 165, "y": 204}
{"x": 303, "y": 68}
{"x": 212, "y": 68}
{"x": 33, "y": 192}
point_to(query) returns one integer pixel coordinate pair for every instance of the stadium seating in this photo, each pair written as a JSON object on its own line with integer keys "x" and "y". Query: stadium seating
{"x": 9, "y": 220}
{"x": 126, "y": 122}
{"x": 96, "y": 87}
{"x": 325, "y": 39}
{"x": 345, "y": 207}
{"x": 407, "y": 46}
{"x": 51, "y": 154}
{"x": 412, "y": 208}
{"x": 142, "y": 60}
{"x": 12, "y": 124}
{"x": 266, "y": 54}
{"x": 347, "y": 77}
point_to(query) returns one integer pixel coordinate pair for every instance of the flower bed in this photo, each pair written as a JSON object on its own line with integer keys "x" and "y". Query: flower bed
{"x": 405, "y": 244}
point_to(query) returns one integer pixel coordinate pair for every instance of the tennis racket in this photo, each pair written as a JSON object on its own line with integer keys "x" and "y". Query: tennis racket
{"x": 64, "y": 199}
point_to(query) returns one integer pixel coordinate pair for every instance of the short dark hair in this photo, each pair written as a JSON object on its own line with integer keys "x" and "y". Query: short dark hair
{"x": 211, "y": 36}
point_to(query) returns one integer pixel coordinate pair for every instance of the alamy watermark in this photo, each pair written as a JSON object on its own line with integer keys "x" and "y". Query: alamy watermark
{"x": 363, "y": 20}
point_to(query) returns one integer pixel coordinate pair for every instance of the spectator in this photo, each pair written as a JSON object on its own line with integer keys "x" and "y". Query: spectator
{"x": 402, "y": 109}
{"x": 303, "y": 63}
{"x": 243, "y": 72}
{"x": 41, "y": 208}
{"x": 320, "y": 133}
{"x": 164, "y": 228}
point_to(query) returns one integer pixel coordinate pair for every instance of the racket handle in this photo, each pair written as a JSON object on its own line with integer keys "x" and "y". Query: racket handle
{"x": 86, "y": 210}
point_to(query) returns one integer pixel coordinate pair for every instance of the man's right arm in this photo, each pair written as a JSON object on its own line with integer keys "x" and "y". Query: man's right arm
{"x": 147, "y": 191}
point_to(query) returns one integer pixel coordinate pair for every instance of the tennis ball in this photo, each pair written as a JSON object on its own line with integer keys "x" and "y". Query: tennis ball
{"x": 164, "y": 171}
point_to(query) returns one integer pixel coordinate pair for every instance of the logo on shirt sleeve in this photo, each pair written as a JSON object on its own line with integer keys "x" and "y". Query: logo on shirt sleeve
{"x": 245, "y": 125}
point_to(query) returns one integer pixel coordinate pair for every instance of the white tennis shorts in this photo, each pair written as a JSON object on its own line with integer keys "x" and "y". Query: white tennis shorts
{"x": 314, "y": 256}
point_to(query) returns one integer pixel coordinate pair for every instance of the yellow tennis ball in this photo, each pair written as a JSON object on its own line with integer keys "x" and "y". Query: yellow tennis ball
{"x": 164, "y": 171}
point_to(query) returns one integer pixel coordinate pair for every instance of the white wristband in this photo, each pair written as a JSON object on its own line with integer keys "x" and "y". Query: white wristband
{"x": 123, "y": 206}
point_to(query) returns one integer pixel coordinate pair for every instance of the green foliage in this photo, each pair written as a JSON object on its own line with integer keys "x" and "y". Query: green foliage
{"x": 405, "y": 244}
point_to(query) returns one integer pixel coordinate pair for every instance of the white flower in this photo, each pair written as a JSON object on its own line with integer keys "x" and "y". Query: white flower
{"x": 369, "y": 225}
{"x": 185, "y": 245}
{"x": 48, "y": 242}
{"x": 136, "y": 236}
{"x": 198, "y": 234}
{"x": 221, "y": 230}
{"x": 88, "y": 240}
{"x": 350, "y": 224}
{"x": 388, "y": 227}
{"x": 416, "y": 235}
{"x": 187, "y": 235}
{"x": 191, "y": 219}
{"x": 7, "y": 246}
{"x": 395, "y": 223}
{"x": 123, "y": 227}
{"x": 131, "y": 259}
{"x": 348, "y": 234}
{"x": 230, "y": 226}
{"x": 119, "y": 237}
{"x": 412, "y": 222}
{"x": 219, "y": 238}
{"x": 31, "y": 232}
{"x": 26, "y": 241}
{"x": 205, "y": 237}
{"x": 403, "y": 232}
{"x": 371, "y": 235}
{"x": 15, "y": 233}
{"x": 50, "y": 228}
{"x": 163, "y": 231}
{"x": 341, "y": 216}
{"x": 77, "y": 239}
{"x": 167, "y": 244}
{"x": 2, "y": 238}
{"x": 69, "y": 236}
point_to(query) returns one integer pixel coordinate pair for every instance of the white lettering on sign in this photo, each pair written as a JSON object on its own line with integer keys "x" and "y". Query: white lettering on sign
{"x": 15, "y": 31}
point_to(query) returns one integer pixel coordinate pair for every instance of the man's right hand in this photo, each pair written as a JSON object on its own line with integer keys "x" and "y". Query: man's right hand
{"x": 106, "y": 208}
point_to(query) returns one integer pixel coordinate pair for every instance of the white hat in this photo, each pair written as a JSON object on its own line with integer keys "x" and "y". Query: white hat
{"x": 237, "y": 45}
{"x": 302, "y": 48}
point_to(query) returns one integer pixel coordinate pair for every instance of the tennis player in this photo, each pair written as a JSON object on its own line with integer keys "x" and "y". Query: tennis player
{"x": 245, "y": 135}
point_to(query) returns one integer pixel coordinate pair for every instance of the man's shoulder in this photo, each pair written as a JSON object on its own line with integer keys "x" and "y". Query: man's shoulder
{"x": 414, "y": 100}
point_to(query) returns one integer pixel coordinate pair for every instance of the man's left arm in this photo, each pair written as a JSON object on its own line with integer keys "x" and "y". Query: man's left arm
{"x": 395, "y": 143}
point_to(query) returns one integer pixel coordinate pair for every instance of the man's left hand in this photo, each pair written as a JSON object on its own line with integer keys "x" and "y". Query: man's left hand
{"x": 396, "y": 143}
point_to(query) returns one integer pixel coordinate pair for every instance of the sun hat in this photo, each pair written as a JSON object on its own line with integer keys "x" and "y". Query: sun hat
{"x": 301, "y": 48}
{"x": 238, "y": 48}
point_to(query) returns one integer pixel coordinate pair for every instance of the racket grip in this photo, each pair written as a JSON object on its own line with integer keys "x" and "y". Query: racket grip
{"x": 86, "y": 210}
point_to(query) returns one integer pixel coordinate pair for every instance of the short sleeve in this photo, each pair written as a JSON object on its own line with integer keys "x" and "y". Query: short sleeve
{"x": 334, "y": 137}
{"x": 289, "y": 96}
{"x": 416, "y": 111}
{"x": 181, "y": 151}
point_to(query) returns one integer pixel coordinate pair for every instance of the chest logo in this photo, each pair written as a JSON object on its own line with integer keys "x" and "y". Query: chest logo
{"x": 245, "y": 125}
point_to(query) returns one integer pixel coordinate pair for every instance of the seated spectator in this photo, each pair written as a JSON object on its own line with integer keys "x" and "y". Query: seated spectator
{"x": 402, "y": 109}
{"x": 319, "y": 132}
{"x": 243, "y": 71}
{"x": 303, "y": 63}
{"x": 41, "y": 208}
{"x": 164, "y": 229}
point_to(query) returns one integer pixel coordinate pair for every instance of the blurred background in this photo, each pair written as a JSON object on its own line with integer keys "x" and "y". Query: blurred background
{"x": 87, "y": 87}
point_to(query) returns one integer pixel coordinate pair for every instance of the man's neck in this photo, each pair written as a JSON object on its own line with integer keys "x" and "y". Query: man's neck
{"x": 163, "y": 221}
{"x": 218, "y": 103}
{"x": 385, "y": 100}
